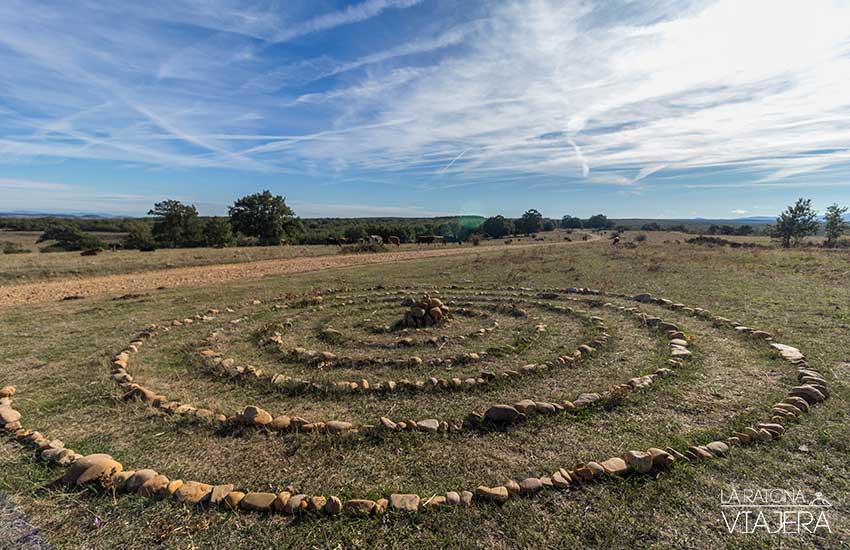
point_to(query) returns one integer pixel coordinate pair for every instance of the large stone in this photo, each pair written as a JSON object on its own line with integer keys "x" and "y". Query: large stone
{"x": 530, "y": 485}
{"x": 193, "y": 492}
{"x": 255, "y": 415}
{"x": 333, "y": 505}
{"x": 280, "y": 423}
{"x": 661, "y": 458}
{"x": 94, "y": 467}
{"x": 295, "y": 504}
{"x": 138, "y": 479}
{"x": 232, "y": 499}
{"x": 359, "y": 507}
{"x": 811, "y": 394}
{"x": 718, "y": 448}
{"x": 338, "y": 426}
{"x": 316, "y": 503}
{"x": 154, "y": 486}
{"x": 502, "y": 414}
{"x": 8, "y": 415}
{"x": 638, "y": 461}
{"x": 258, "y": 502}
{"x": 615, "y": 466}
{"x": 405, "y": 502}
{"x": 428, "y": 425}
{"x": 219, "y": 492}
{"x": 493, "y": 494}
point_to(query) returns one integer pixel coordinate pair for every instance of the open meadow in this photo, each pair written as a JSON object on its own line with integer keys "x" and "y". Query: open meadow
{"x": 532, "y": 364}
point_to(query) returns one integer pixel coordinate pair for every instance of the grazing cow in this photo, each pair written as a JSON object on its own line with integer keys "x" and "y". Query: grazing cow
{"x": 392, "y": 239}
{"x": 338, "y": 241}
{"x": 615, "y": 241}
{"x": 508, "y": 241}
{"x": 376, "y": 239}
{"x": 568, "y": 239}
{"x": 91, "y": 252}
{"x": 430, "y": 239}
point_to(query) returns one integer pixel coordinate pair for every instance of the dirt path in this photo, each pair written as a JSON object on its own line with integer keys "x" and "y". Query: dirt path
{"x": 52, "y": 291}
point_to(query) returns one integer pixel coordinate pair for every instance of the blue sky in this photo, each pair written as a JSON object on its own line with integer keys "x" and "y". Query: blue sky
{"x": 426, "y": 107}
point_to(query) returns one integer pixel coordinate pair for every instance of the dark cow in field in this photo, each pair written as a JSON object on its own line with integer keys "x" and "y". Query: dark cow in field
{"x": 91, "y": 252}
{"x": 615, "y": 241}
{"x": 337, "y": 241}
{"x": 392, "y": 239}
{"x": 430, "y": 239}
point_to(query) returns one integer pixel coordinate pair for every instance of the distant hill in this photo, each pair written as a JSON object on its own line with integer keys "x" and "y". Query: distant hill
{"x": 36, "y": 214}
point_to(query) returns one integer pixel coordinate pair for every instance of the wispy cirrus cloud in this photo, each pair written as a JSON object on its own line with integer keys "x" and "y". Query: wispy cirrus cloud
{"x": 635, "y": 93}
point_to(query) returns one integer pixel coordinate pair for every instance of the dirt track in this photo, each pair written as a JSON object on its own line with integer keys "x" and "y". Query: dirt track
{"x": 52, "y": 291}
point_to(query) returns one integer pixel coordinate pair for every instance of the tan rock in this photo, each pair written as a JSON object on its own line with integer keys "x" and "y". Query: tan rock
{"x": 452, "y": 498}
{"x": 8, "y": 415}
{"x": 232, "y": 499}
{"x": 258, "y": 502}
{"x": 405, "y": 502}
{"x": 138, "y": 479}
{"x": 615, "y": 466}
{"x": 660, "y": 458}
{"x": 638, "y": 461}
{"x": 281, "y": 501}
{"x": 333, "y": 505}
{"x": 530, "y": 485}
{"x": 154, "y": 486}
{"x": 173, "y": 485}
{"x": 359, "y": 507}
{"x": 493, "y": 494}
{"x": 92, "y": 467}
{"x": 295, "y": 504}
{"x": 193, "y": 492}
{"x": 255, "y": 415}
{"x": 219, "y": 492}
{"x": 7, "y": 391}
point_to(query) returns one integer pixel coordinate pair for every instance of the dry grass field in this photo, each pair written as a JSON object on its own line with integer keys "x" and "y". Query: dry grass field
{"x": 508, "y": 307}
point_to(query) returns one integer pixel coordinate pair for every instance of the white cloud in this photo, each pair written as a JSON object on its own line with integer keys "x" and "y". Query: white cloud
{"x": 318, "y": 210}
{"x": 740, "y": 212}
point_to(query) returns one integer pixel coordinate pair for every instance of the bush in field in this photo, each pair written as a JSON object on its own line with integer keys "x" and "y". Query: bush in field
{"x": 797, "y": 221}
{"x": 139, "y": 237}
{"x": 834, "y": 226}
{"x": 640, "y": 238}
{"x": 266, "y": 217}
{"x": 176, "y": 224}
{"x": 14, "y": 248}
{"x": 599, "y": 221}
{"x": 68, "y": 238}
{"x": 217, "y": 232}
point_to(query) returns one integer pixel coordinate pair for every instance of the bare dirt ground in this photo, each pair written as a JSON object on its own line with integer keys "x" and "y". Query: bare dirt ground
{"x": 53, "y": 291}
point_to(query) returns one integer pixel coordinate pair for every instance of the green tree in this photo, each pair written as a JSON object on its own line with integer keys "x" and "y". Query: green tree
{"x": 264, "y": 216}
{"x": 548, "y": 225}
{"x": 796, "y": 222}
{"x": 217, "y": 232}
{"x": 69, "y": 237}
{"x": 139, "y": 237}
{"x": 569, "y": 222}
{"x": 834, "y": 225}
{"x": 355, "y": 233}
{"x": 530, "y": 222}
{"x": 176, "y": 224}
{"x": 599, "y": 221}
{"x": 497, "y": 227}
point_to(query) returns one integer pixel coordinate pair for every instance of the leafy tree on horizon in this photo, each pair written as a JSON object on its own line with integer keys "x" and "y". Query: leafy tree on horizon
{"x": 834, "y": 226}
{"x": 264, "y": 216}
{"x": 139, "y": 237}
{"x": 530, "y": 222}
{"x": 599, "y": 221}
{"x": 176, "y": 224}
{"x": 217, "y": 232}
{"x": 497, "y": 227}
{"x": 570, "y": 222}
{"x": 797, "y": 221}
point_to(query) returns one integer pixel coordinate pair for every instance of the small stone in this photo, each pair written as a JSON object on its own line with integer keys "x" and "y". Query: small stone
{"x": 718, "y": 448}
{"x": 452, "y": 498}
{"x": 428, "y": 425}
{"x": 502, "y": 414}
{"x": 493, "y": 494}
{"x": 255, "y": 415}
{"x": 193, "y": 492}
{"x": 295, "y": 504}
{"x": 530, "y": 485}
{"x": 660, "y": 458}
{"x": 219, "y": 492}
{"x": 615, "y": 466}
{"x": 404, "y": 502}
{"x": 639, "y": 461}
{"x": 154, "y": 486}
{"x": 280, "y": 423}
{"x": 316, "y": 503}
{"x": 7, "y": 391}
{"x": 338, "y": 426}
{"x": 333, "y": 506}
{"x": 466, "y": 498}
{"x": 512, "y": 487}
{"x": 138, "y": 479}
{"x": 92, "y": 467}
{"x": 359, "y": 507}
{"x": 233, "y": 498}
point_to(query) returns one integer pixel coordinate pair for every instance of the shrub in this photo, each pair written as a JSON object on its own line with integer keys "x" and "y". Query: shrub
{"x": 639, "y": 238}
{"x": 14, "y": 248}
